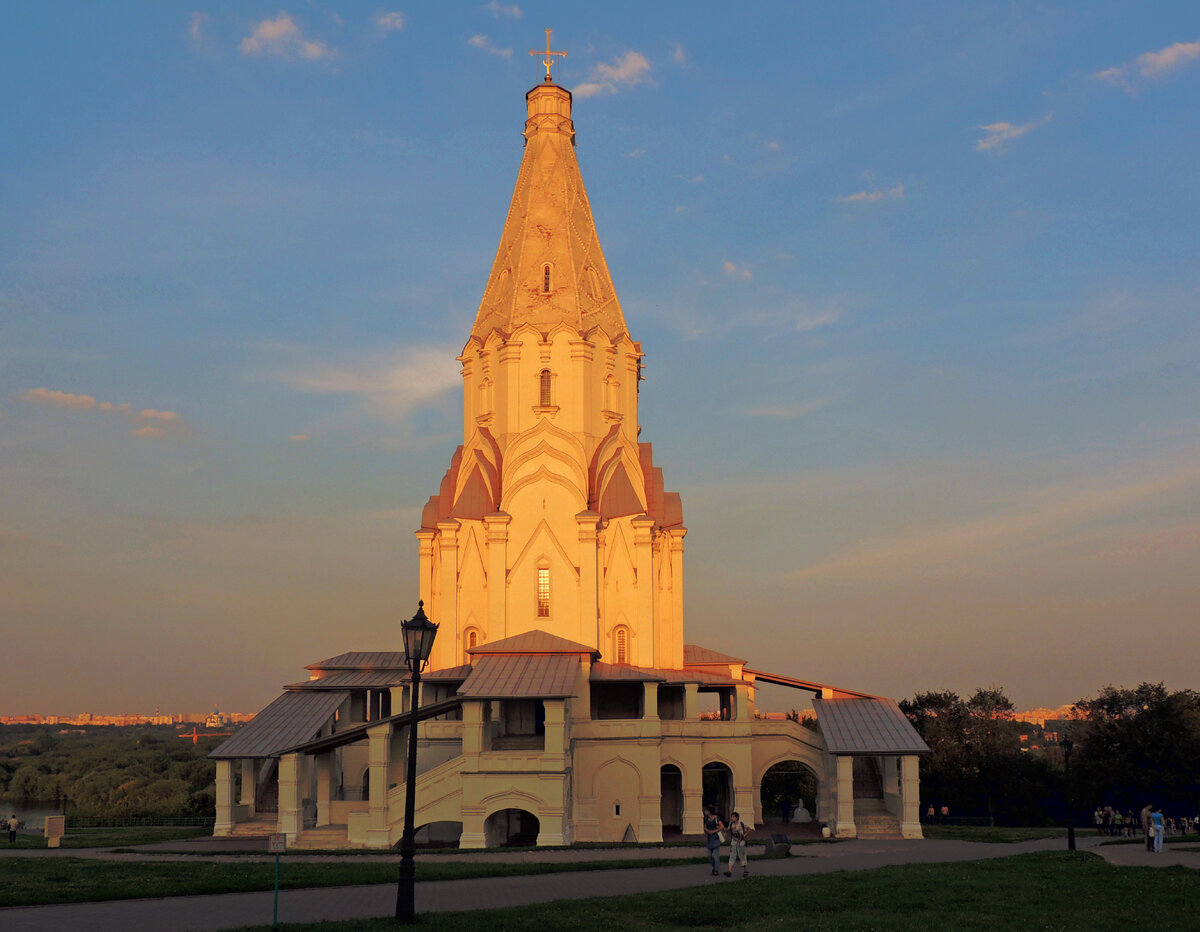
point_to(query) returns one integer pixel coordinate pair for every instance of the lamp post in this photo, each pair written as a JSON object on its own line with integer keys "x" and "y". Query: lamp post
{"x": 1067, "y": 744}
{"x": 419, "y": 633}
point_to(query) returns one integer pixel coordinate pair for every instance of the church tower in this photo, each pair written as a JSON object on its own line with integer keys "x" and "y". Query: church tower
{"x": 552, "y": 516}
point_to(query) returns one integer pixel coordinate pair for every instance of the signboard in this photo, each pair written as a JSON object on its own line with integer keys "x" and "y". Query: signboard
{"x": 277, "y": 843}
{"x": 55, "y": 828}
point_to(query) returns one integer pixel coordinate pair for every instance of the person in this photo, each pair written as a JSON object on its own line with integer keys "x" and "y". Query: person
{"x": 945, "y": 811}
{"x": 12, "y": 828}
{"x": 1147, "y": 826}
{"x": 712, "y": 832}
{"x": 737, "y": 845}
{"x": 1156, "y": 820}
{"x": 929, "y": 812}
{"x": 786, "y": 806}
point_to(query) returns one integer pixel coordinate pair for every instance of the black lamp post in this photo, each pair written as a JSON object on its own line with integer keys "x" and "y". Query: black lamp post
{"x": 1067, "y": 744}
{"x": 419, "y": 633}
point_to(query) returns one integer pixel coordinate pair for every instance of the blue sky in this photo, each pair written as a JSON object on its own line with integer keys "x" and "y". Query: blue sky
{"x": 917, "y": 285}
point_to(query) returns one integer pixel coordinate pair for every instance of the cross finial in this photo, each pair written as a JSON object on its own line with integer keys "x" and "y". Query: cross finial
{"x": 548, "y": 61}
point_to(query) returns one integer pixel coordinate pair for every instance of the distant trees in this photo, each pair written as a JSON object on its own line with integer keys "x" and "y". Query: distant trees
{"x": 1135, "y": 746}
{"x": 110, "y": 772}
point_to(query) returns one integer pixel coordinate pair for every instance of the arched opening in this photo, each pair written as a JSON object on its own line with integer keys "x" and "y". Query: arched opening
{"x": 788, "y": 792}
{"x": 546, "y": 278}
{"x": 511, "y": 828}
{"x": 671, "y": 795}
{"x": 438, "y": 835}
{"x": 543, "y": 592}
{"x": 544, "y": 380}
{"x": 621, "y": 644}
{"x": 470, "y": 640}
{"x": 718, "y": 788}
{"x": 365, "y": 791}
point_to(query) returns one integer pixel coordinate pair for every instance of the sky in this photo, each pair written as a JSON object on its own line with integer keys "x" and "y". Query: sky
{"x": 917, "y": 284}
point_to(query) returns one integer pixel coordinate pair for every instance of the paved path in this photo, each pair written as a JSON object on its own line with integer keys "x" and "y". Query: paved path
{"x": 234, "y": 910}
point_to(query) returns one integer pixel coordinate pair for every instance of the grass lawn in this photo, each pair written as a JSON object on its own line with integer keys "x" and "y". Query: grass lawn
{"x": 112, "y": 837}
{"x": 993, "y": 833}
{"x": 37, "y": 881}
{"x": 1047, "y": 890}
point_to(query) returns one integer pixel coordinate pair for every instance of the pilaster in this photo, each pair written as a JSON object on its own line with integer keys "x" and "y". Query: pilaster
{"x": 379, "y": 745}
{"x": 589, "y": 597}
{"x": 910, "y": 797}
{"x": 445, "y": 648}
{"x": 248, "y": 786}
{"x": 324, "y": 767}
{"x": 291, "y": 805}
{"x": 497, "y": 579}
{"x": 845, "y": 797}
{"x": 225, "y": 790}
{"x": 643, "y": 546}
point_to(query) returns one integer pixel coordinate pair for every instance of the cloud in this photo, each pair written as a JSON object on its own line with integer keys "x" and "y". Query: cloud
{"x": 637, "y": 153}
{"x": 697, "y": 179}
{"x": 789, "y": 413}
{"x": 1101, "y": 317}
{"x": 298, "y": 438}
{"x": 871, "y": 195}
{"x": 282, "y": 38}
{"x": 678, "y": 54}
{"x": 772, "y": 145}
{"x": 400, "y": 382}
{"x": 196, "y": 26}
{"x": 391, "y": 22}
{"x": 999, "y": 135}
{"x": 734, "y": 270}
{"x": 503, "y": 9}
{"x": 1151, "y": 65}
{"x": 481, "y": 42}
{"x": 630, "y": 70}
{"x": 149, "y": 422}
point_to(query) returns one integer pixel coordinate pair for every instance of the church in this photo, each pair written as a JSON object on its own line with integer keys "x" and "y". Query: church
{"x": 562, "y": 703}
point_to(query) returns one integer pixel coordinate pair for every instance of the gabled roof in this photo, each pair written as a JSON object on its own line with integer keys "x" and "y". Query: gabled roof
{"x": 353, "y": 679}
{"x": 449, "y": 674}
{"x": 866, "y": 726}
{"x": 694, "y": 655}
{"x": 522, "y": 676}
{"x": 624, "y": 673}
{"x": 533, "y": 642}
{"x": 363, "y": 660}
{"x": 293, "y": 718}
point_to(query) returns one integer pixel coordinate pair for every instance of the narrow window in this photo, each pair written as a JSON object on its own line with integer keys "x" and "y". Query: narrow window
{"x": 544, "y": 388}
{"x": 543, "y": 593}
{"x": 546, "y": 278}
{"x": 622, "y": 651}
{"x": 472, "y": 641}
{"x": 616, "y": 809}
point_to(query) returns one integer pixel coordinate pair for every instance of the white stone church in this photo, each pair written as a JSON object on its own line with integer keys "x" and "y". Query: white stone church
{"x": 562, "y": 703}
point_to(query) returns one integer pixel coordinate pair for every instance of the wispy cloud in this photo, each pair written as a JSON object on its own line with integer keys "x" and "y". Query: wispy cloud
{"x": 399, "y": 383}
{"x": 511, "y": 10}
{"x": 481, "y": 42}
{"x": 629, "y": 70}
{"x": 999, "y": 135}
{"x": 678, "y": 54}
{"x": 1099, "y": 318}
{"x": 392, "y": 21}
{"x": 873, "y": 194}
{"x": 281, "y": 37}
{"x": 148, "y": 422}
{"x": 298, "y": 438}
{"x": 196, "y": 24}
{"x": 789, "y": 412}
{"x": 734, "y": 270}
{"x": 1151, "y": 65}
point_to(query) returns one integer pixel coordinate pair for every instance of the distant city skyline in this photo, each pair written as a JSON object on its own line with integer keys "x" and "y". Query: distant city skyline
{"x": 930, "y": 272}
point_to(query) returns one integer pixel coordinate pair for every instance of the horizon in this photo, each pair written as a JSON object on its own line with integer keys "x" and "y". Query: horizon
{"x": 929, "y": 276}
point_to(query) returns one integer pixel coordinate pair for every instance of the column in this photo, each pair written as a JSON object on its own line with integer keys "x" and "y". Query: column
{"x": 425, "y": 538}
{"x": 910, "y": 797}
{"x": 676, "y": 657}
{"x": 651, "y": 726}
{"x": 472, "y": 734}
{"x": 845, "y": 797}
{"x": 556, "y": 732}
{"x": 445, "y": 648}
{"x": 291, "y": 807}
{"x": 324, "y": 789}
{"x": 691, "y": 702}
{"x": 225, "y": 788}
{"x": 379, "y": 748}
{"x": 643, "y": 550}
{"x": 248, "y": 786}
{"x": 589, "y": 592}
{"x": 497, "y": 578}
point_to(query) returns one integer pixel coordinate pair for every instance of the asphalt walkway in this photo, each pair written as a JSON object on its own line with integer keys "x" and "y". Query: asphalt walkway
{"x": 236, "y": 910}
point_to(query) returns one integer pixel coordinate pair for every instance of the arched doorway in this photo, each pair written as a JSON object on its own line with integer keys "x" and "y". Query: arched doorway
{"x": 718, "y": 788}
{"x": 793, "y": 782}
{"x": 671, "y": 797}
{"x": 511, "y": 828}
{"x": 438, "y": 835}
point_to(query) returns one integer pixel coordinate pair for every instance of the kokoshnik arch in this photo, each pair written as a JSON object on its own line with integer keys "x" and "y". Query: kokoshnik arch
{"x": 561, "y": 702}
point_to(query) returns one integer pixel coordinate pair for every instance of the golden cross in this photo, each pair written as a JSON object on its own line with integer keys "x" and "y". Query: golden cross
{"x": 548, "y": 61}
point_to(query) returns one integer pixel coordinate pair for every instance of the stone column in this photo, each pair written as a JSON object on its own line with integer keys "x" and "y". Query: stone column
{"x": 910, "y": 797}
{"x": 691, "y": 702}
{"x": 249, "y": 780}
{"x": 379, "y": 748}
{"x": 291, "y": 805}
{"x": 643, "y": 549}
{"x": 473, "y": 828}
{"x": 472, "y": 734}
{"x": 556, "y": 735}
{"x": 324, "y": 790}
{"x": 445, "y": 648}
{"x": 225, "y": 789}
{"x": 497, "y": 575}
{"x": 589, "y": 592}
{"x": 652, "y": 727}
{"x": 845, "y": 797}
{"x": 425, "y": 580}
{"x": 676, "y": 657}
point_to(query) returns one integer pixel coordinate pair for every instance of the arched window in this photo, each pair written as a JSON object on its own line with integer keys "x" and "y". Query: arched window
{"x": 546, "y": 278}
{"x": 621, "y": 644}
{"x": 470, "y": 640}
{"x": 543, "y": 592}
{"x": 544, "y": 388}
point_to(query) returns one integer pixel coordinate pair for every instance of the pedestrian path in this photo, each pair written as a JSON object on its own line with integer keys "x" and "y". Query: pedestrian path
{"x": 235, "y": 910}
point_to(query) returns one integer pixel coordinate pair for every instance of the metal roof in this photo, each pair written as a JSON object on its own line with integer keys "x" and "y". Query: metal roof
{"x": 450, "y": 673}
{"x": 623, "y": 673}
{"x": 522, "y": 676}
{"x": 363, "y": 660}
{"x": 866, "y": 726}
{"x": 293, "y": 718}
{"x": 694, "y": 654}
{"x": 352, "y": 679}
{"x": 533, "y": 642}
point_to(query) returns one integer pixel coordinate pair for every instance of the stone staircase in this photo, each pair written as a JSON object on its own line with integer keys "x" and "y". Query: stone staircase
{"x": 260, "y": 825}
{"x": 324, "y": 838}
{"x": 871, "y": 816}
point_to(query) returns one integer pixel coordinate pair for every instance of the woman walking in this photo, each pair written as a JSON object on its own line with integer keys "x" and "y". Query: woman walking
{"x": 737, "y": 845}
{"x": 1156, "y": 820}
{"x": 713, "y": 827}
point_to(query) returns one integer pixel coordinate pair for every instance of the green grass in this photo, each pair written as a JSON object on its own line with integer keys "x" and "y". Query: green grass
{"x": 111, "y": 837}
{"x": 37, "y": 881}
{"x": 993, "y": 833}
{"x": 1050, "y": 890}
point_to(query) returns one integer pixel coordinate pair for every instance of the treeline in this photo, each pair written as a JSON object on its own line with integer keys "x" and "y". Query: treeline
{"x": 108, "y": 772}
{"x": 1129, "y": 747}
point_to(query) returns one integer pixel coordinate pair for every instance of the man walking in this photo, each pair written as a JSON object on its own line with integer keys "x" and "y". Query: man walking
{"x": 1147, "y": 827}
{"x": 12, "y": 828}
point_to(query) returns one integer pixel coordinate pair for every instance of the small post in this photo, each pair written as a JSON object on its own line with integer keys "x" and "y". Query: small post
{"x": 276, "y": 843}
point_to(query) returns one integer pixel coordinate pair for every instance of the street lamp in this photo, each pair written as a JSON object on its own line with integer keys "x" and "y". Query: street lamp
{"x": 1067, "y": 744}
{"x": 419, "y": 633}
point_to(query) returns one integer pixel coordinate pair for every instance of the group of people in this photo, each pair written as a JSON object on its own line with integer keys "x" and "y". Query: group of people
{"x": 716, "y": 833}
{"x": 1156, "y": 825}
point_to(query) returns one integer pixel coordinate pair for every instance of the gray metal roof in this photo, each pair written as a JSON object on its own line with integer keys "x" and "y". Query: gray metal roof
{"x": 353, "y": 679}
{"x": 522, "y": 676}
{"x": 532, "y": 642}
{"x": 695, "y": 654}
{"x": 866, "y": 726}
{"x": 624, "y": 673}
{"x": 363, "y": 660}
{"x": 293, "y": 718}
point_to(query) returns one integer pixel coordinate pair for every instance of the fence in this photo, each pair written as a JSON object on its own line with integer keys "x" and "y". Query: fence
{"x": 83, "y": 824}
